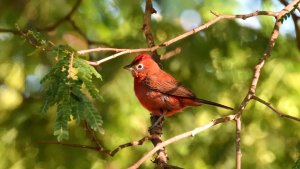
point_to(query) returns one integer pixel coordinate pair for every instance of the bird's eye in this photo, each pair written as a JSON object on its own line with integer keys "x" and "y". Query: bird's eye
{"x": 140, "y": 66}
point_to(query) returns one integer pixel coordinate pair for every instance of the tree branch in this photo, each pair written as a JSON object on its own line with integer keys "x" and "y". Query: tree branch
{"x": 238, "y": 157}
{"x": 170, "y": 54}
{"x": 117, "y": 55}
{"x": 251, "y": 90}
{"x": 130, "y": 144}
{"x": 14, "y": 31}
{"x": 93, "y": 138}
{"x": 60, "y": 21}
{"x": 98, "y": 147}
{"x": 66, "y": 18}
{"x": 295, "y": 20}
{"x": 182, "y": 136}
{"x": 53, "y": 26}
{"x": 149, "y": 10}
{"x": 274, "y": 109}
{"x": 155, "y": 132}
{"x": 265, "y": 56}
{"x": 256, "y": 75}
{"x": 69, "y": 145}
{"x": 173, "y": 40}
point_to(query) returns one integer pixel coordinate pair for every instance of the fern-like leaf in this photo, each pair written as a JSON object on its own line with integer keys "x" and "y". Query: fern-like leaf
{"x": 86, "y": 74}
{"x": 63, "y": 86}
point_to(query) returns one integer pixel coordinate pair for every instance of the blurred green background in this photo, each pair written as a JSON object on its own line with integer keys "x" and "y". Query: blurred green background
{"x": 216, "y": 64}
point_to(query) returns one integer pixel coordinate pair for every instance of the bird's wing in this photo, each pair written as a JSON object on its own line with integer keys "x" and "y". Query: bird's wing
{"x": 165, "y": 83}
{"x": 168, "y": 85}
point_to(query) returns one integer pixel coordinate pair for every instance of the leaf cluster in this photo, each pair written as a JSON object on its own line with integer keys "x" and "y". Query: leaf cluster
{"x": 64, "y": 87}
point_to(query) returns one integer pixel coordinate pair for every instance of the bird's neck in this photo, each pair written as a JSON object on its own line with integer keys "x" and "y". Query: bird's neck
{"x": 139, "y": 76}
{"x": 139, "y": 79}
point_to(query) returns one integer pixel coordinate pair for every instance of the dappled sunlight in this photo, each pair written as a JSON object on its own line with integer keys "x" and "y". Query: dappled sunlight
{"x": 9, "y": 136}
{"x": 271, "y": 84}
{"x": 289, "y": 106}
{"x": 203, "y": 117}
{"x": 14, "y": 75}
{"x": 293, "y": 81}
{"x": 266, "y": 157}
{"x": 12, "y": 88}
{"x": 9, "y": 98}
{"x": 248, "y": 140}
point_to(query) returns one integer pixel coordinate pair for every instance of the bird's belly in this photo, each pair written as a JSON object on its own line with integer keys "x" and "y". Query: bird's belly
{"x": 157, "y": 102}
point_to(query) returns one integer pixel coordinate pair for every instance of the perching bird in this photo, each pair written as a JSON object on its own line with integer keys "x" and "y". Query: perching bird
{"x": 158, "y": 91}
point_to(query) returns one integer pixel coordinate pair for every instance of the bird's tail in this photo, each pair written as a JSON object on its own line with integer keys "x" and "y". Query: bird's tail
{"x": 212, "y": 103}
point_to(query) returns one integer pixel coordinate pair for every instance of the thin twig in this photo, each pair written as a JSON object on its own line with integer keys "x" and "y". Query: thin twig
{"x": 252, "y": 88}
{"x": 285, "y": 3}
{"x": 256, "y": 75}
{"x": 109, "y": 58}
{"x": 130, "y": 144}
{"x": 14, "y": 31}
{"x": 34, "y": 41}
{"x": 60, "y": 21}
{"x": 274, "y": 109}
{"x": 149, "y": 10}
{"x": 98, "y": 147}
{"x": 265, "y": 56}
{"x": 93, "y": 137}
{"x": 100, "y": 49}
{"x": 295, "y": 20}
{"x": 182, "y": 136}
{"x": 170, "y": 54}
{"x": 173, "y": 40}
{"x": 238, "y": 159}
{"x": 66, "y": 18}
{"x": 69, "y": 145}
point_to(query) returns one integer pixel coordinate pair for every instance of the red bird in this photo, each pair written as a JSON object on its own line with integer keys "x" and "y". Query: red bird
{"x": 158, "y": 91}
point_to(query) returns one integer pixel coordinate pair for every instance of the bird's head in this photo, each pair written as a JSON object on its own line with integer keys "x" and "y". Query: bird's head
{"x": 142, "y": 65}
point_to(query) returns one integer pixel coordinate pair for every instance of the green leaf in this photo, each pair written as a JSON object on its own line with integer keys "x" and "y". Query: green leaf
{"x": 94, "y": 119}
{"x": 61, "y": 134}
{"x": 67, "y": 92}
{"x": 86, "y": 74}
{"x": 77, "y": 104}
{"x": 88, "y": 68}
{"x": 61, "y": 126}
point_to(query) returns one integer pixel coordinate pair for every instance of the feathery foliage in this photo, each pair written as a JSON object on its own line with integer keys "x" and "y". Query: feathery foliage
{"x": 64, "y": 87}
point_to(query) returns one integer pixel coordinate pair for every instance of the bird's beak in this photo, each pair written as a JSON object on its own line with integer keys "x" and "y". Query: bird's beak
{"x": 128, "y": 67}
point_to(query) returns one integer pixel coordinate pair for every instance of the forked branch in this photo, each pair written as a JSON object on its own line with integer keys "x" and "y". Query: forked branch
{"x": 182, "y": 136}
{"x": 173, "y": 40}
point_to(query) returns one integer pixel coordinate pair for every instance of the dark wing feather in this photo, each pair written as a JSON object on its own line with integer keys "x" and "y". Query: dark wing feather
{"x": 168, "y": 85}
{"x": 165, "y": 83}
